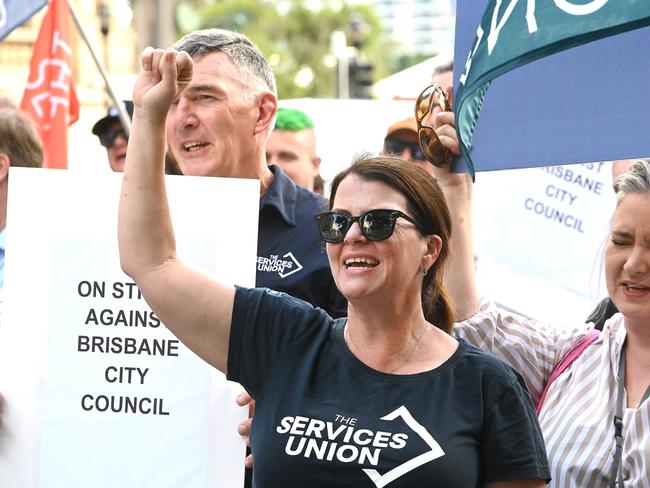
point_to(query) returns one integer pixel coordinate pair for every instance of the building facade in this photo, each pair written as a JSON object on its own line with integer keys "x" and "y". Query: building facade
{"x": 418, "y": 26}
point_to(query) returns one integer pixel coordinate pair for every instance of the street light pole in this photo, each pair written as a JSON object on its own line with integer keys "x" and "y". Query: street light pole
{"x": 339, "y": 48}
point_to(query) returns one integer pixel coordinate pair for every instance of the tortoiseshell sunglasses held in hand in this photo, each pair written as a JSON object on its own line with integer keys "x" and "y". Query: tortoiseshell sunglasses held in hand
{"x": 432, "y": 96}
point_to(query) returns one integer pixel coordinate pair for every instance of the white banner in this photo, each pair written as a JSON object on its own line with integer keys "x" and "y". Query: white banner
{"x": 539, "y": 236}
{"x": 98, "y": 392}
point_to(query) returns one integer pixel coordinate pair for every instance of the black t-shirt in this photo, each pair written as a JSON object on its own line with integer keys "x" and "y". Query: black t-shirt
{"x": 323, "y": 418}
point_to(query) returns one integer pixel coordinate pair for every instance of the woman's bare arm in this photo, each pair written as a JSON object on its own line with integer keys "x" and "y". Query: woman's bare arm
{"x": 460, "y": 275}
{"x": 195, "y": 308}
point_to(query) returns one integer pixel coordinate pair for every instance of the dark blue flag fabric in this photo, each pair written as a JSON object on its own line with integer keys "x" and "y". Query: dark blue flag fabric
{"x": 513, "y": 33}
{"x": 14, "y": 13}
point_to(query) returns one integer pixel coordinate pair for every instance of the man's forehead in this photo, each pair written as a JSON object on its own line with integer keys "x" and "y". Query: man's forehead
{"x": 285, "y": 138}
{"x": 202, "y": 87}
{"x": 210, "y": 85}
{"x": 215, "y": 65}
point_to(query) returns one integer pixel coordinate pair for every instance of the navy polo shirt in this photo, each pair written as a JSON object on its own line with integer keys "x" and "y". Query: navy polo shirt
{"x": 291, "y": 258}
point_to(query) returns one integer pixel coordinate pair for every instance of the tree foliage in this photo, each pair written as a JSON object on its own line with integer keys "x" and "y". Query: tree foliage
{"x": 294, "y": 35}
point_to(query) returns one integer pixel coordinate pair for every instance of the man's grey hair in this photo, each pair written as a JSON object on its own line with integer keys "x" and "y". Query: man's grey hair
{"x": 635, "y": 180}
{"x": 241, "y": 50}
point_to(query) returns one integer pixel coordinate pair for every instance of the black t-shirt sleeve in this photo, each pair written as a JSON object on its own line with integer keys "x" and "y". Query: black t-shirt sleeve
{"x": 266, "y": 324}
{"x": 513, "y": 446}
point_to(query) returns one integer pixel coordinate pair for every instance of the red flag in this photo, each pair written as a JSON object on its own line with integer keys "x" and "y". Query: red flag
{"x": 50, "y": 96}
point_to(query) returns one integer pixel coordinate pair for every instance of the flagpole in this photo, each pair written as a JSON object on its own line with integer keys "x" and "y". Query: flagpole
{"x": 124, "y": 117}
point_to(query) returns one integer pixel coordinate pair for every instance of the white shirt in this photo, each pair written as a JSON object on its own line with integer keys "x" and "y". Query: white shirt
{"x": 578, "y": 412}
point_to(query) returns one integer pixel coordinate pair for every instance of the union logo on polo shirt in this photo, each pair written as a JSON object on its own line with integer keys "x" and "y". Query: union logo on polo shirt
{"x": 284, "y": 265}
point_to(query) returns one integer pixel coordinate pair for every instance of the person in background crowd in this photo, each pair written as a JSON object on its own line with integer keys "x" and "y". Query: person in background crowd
{"x": 387, "y": 241}
{"x": 606, "y": 308}
{"x": 219, "y": 126}
{"x": 443, "y": 75}
{"x": 20, "y": 145}
{"x": 112, "y": 136}
{"x": 595, "y": 416}
{"x": 7, "y": 103}
{"x": 292, "y": 146}
{"x": 402, "y": 141}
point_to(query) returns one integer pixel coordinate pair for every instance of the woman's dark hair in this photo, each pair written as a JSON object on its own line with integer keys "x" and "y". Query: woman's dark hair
{"x": 428, "y": 207}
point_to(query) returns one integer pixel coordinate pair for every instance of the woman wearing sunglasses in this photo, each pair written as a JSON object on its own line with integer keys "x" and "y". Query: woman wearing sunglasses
{"x": 382, "y": 398}
{"x": 596, "y": 415}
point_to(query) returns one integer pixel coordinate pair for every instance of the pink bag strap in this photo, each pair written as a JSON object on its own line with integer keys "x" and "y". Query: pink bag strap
{"x": 566, "y": 361}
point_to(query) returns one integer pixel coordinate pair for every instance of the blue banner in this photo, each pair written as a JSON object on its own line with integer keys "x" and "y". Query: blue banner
{"x": 582, "y": 104}
{"x": 14, "y": 13}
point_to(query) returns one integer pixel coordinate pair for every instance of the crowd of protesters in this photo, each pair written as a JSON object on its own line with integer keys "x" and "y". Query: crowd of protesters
{"x": 388, "y": 321}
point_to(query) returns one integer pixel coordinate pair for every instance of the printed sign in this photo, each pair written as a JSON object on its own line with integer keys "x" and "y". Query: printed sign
{"x": 539, "y": 236}
{"x": 98, "y": 392}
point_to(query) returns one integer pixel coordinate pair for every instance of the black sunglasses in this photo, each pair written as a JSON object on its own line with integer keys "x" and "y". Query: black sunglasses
{"x": 432, "y": 96}
{"x": 107, "y": 139}
{"x": 375, "y": 225}
{"x": 396, "y": 146}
